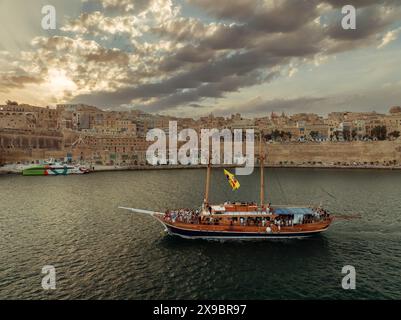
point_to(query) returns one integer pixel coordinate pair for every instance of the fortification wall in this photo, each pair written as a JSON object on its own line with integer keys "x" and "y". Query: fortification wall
{"x": 332, "y": 152}
{"x": 294, "y": 154}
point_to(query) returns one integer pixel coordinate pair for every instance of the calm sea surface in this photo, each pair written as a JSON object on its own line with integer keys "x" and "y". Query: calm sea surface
{"x": 101, "y": 252}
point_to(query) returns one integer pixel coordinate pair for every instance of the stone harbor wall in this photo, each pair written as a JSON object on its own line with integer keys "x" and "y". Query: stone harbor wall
{"x": 325, "y": 154}
{"x": 335, "y": 153}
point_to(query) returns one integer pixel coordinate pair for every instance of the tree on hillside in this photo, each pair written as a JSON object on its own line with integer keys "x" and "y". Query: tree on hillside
{"x": 268, "y": 137}
{"x": 11, "y": 103}
{"x": 354, "y": 134}
{"x": 314, "y": 135}
{"x": 2, "y": 158}
{"x": 288, "y": 135}
{"x": 379, "y": 132}
{"x": 275, "y": 134}
{"x": 347, "y": 134}
{"x": 394, "y": 134}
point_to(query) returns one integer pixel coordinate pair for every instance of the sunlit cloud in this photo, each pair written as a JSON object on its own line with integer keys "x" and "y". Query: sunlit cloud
{"x": 389, "y": 37}
{"x": 58, "y": 82}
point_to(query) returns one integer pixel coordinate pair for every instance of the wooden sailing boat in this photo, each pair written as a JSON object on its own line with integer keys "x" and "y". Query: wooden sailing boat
{"x": 242, "y": 220}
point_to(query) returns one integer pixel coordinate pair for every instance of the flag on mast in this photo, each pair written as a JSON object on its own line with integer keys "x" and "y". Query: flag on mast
{"x": 232, "y": 180}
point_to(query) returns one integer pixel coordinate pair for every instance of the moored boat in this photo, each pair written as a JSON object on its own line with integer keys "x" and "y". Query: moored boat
{"x": 54, "y": 169}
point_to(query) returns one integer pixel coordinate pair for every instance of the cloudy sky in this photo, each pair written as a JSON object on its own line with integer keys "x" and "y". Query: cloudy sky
{"x": 193, "y": 57}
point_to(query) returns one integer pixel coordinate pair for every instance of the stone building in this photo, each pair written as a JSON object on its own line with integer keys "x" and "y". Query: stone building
{"x": 26, "y": 130}
{"x": 111, "y": 149}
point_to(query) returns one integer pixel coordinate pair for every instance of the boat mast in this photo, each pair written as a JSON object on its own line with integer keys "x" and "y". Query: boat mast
{"x": 262, "y": 178}
{"x": 207, "y": 186}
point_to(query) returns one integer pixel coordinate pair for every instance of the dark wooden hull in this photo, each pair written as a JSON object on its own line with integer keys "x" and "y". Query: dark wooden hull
{"x": 216, "y": 232}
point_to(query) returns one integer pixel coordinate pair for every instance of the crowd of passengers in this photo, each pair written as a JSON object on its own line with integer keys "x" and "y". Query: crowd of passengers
{"x": 323, "y": 214}
{"x": 183, "y": 215}
{"x": 193, "y": 216}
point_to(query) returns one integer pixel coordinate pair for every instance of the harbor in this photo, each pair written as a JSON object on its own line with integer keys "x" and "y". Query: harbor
{"x": 16, "y": 169}
{"x": 101, "y": 252}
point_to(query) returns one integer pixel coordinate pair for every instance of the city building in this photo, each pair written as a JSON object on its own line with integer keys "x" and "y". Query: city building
{"x": 87, "y": 133}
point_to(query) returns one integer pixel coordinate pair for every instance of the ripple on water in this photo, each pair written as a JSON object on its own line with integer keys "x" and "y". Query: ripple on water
{"x": 101, "y": 252}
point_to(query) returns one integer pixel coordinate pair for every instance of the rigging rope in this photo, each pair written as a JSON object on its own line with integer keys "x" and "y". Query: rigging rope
{"x": 280, "y": 186}
{"x": 328, "y": 193}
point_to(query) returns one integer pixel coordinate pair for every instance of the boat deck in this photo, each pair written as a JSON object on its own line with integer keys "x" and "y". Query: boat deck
{"x": 224, "y": 226}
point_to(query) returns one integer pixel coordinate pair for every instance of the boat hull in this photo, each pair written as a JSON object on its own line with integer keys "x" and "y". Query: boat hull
{"x": 53, "y": 171}
{"x": 243, "y": 235}
{"x": 194, "y": 230}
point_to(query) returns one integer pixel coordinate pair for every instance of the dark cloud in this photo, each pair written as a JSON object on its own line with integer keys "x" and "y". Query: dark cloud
{"x": 370, "y": 21}
{"x": 231, "y": 37}
{"x": 13, "y": 81}
{"x": 284, "y": 17}
{"x": 210, "y": 80}
{"x": 378, "y": 100}
{"x": 182, "y": 29}
{"x": 359, "y": 3}
{"x": 188, "y": 54}
{"x": 210, "y": 90}
{"x": 118, "y": 6}
{"x": 197, "y": 105}
{"x": 259, "y": 106}
{"x": 108, "y": 56}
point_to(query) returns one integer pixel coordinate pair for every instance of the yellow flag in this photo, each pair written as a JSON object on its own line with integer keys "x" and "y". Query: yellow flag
{"x": 232, "y": 180}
